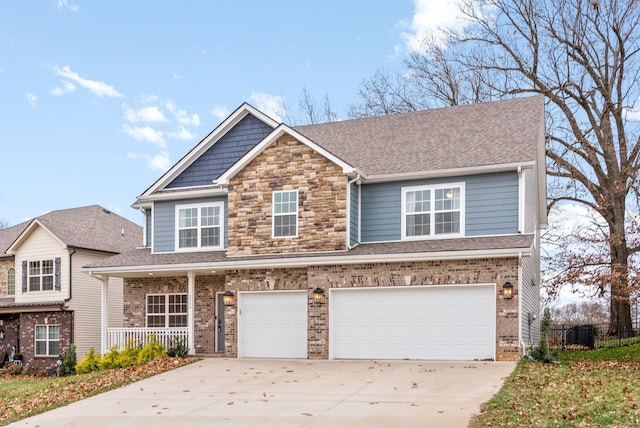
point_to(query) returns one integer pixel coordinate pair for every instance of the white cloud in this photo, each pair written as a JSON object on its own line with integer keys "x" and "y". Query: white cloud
{"x": 31, "y": 98}
{"x": 145, "y": 133}
{"x": 159, "y": 162}
{"x": 64, "y": 88}
{"x": 182, "y": 116}
{"x": 429, "y": 17}
{"x": 221, "y": 112}
{"x": 68, "y": 5}
{"x": 145, "y": 114}
{"x": 98, "y": 88}
{"x": 183, "y": 134}
{"x": 271, "y": 105}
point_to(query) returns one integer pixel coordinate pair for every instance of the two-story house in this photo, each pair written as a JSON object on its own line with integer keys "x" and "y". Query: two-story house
{"x": 413, "y": 236}
{"x": 46, "y": 302}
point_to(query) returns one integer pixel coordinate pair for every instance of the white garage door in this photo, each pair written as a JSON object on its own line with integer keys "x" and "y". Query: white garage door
{"x": 272, "y": 324}
{"x": 429, "y": 323}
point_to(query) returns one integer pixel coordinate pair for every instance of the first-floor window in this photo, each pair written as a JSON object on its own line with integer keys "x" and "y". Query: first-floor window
{"x": 47, "y": 340}
{"x": 11, "y": 281}
{"x": 41, "y": 275}
{"x": 434, "y": 210}
{"x": 166, "y": 310}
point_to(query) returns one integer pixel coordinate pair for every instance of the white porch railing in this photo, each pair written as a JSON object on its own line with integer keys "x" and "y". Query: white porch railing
{"x": 169, "y": 336}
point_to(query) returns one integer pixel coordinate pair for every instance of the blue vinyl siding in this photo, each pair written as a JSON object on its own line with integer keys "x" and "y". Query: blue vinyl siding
{"x": 353, "y": 221}
{"x": 491, "y": 206}
{"x": 224, "y": 153}
{"x": 164, "y": 234}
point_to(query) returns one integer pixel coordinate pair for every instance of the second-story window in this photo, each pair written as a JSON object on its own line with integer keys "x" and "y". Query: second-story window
{"x": 11, "y": 281}
{"x": 199, "y": 226}
{"x": 430, "y": 211}
{"x": 285, "y": 213}
{"x": 40, "y": 275}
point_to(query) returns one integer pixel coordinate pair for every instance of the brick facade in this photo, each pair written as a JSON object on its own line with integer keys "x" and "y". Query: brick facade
{"x": 287, "y": 165}
{"x": 28, "y": 322}
{"x": 477, "y": 271}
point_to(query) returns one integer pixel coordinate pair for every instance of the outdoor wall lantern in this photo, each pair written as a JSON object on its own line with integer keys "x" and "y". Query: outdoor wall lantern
{"x": 507, "y": 290}
{"x": 318, "y": 295}
{"x": 228, "y": 298}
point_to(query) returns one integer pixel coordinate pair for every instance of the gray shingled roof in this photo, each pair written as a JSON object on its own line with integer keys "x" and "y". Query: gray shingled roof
{"x": 454, "y": 137}
{"x": 92, "y": 227}
{"x": 143, "y": 256}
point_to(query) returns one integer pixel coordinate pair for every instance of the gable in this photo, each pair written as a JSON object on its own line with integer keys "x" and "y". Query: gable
{"x": 225, "y": 152}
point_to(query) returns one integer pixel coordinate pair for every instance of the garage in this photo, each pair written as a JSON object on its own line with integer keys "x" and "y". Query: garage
{"x": 455, "y": 322}
{"x": 272, "y": 324}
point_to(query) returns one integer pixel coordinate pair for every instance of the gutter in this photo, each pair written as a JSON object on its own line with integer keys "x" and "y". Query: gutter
{"x": 70, "y": 278}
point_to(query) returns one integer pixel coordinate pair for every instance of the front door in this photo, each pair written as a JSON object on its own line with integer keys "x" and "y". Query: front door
{"x": 219, "y": 323}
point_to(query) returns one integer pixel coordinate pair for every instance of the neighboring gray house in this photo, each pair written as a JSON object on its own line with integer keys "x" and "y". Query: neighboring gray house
{"x": 46, "y": 302}
{"x": 413, "y": 236}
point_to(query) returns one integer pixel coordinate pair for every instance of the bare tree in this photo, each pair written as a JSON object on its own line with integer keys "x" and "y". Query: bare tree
{"x": 583, "y": 57}
{"x": 586, "y": 312}
{"x": 309, "y": 112}
{"x": 4, "y": 224}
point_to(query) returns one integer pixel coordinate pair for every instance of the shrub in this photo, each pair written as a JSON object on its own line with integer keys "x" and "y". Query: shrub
{"x": 177, "y": 349}
{"x": 541, "y": 352}
{"x": 152, "y": 350}
{"x": 128, "y": 356}
{"x": 68, "y": 361}
{"x": 109, "y": 360}
{"x": 89, "y": 363}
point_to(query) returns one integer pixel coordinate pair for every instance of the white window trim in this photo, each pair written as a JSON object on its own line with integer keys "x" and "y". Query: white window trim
{"x": 41, "y": 276}
{"x": 47, "y": 340}
{"x": 166, "y": 308}
{"x": 199, "y": 247}
{"x": 432, "y": 188}
{"x": 274, "y": 215}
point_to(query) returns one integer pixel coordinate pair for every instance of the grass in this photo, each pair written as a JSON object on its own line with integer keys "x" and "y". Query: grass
{"x": 599, "y": 388}
{"x": 24, "y": 396}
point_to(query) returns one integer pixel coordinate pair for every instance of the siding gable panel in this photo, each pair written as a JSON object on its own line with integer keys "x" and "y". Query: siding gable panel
{"x": 224, "y": 153}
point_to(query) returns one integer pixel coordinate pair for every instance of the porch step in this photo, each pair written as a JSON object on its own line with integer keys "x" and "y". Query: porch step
{"x": 213, "y": 355}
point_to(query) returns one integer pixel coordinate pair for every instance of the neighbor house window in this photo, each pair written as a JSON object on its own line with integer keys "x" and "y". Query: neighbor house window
{"x": 285, "y": 213}
{"x": 11, "y": 281}
{"x": 40, "y": 275}
{"x": 199, "y": 226}
{"x": 47, "y": 340}
{"x": 166, "y": 310}
{"x": 429, "y": 211}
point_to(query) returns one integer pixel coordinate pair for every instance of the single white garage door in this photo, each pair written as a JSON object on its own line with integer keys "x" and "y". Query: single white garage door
{"x": 272, "y": 324}
{"x": 427, "y": 323}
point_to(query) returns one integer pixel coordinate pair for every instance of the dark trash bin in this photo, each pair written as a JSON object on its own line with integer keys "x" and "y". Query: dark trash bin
{"x": 583, "y": 335}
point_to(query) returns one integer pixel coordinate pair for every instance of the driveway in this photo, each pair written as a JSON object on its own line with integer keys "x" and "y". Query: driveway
{"x": 292, "y": 393}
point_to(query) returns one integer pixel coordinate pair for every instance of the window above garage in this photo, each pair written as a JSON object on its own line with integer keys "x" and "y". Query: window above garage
{"x": 433, "y": 211}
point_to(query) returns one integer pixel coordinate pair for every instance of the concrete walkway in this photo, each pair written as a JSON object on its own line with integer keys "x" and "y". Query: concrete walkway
{"x": 292, "y": 393}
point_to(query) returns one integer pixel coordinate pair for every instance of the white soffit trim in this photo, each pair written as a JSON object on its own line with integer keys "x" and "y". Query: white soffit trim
{"x": 314, "y": 261}
{"x": 451, "y": 172}
{"x": 144, "y": 201}
{"x": 208, "y": 141}
{"x": 270, "y": 139}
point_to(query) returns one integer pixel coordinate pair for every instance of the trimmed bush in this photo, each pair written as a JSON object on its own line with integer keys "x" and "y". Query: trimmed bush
{"x": 152, "y": 350}
{"x": 68, "y": 361}
{"x": 89, "y": 363}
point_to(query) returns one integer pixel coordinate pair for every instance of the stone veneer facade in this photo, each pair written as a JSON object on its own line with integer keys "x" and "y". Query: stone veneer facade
{"x": 322, "y": 194}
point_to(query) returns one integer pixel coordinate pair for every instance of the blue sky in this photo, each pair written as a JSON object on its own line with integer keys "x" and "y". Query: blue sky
{"x": 98, "y": 99}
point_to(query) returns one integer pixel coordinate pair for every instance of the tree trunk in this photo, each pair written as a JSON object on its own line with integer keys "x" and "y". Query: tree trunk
{"x": 620, "y": 314}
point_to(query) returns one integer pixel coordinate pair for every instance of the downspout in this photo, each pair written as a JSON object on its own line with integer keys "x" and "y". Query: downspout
{"x": 349, "y": 183}
{"x": 520, "y": 297}
{"x": 65, "y": 301}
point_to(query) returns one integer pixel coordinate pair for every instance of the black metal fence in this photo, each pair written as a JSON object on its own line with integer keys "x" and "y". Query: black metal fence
{"x": 591, "y": 336}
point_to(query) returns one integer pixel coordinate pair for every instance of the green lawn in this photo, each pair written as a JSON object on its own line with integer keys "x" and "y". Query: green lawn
{"x": 599, "y": 388}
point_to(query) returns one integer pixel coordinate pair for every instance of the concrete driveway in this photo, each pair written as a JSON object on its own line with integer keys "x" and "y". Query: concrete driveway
{"x": 292, "y": 393}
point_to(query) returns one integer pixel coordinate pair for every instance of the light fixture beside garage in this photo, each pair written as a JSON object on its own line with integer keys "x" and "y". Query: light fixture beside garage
{"x": 507, "y": 290}
{"x": 318, "y": 295}
{"x": 228, "y": 298}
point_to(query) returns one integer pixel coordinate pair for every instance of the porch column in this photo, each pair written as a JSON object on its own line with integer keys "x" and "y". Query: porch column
{"x": 191, "y": 298}
{"x": 105, "y": 315}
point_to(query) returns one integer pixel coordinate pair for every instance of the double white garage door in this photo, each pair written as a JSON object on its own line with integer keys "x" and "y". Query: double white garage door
{"x": 430, "y": 323}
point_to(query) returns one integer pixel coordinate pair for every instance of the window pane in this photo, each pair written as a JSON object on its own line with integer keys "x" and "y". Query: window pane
{"x": 34, "y": 268}
{"x": 188, "y": 217}
{"x": 54, "y": 332}
{"x": 447, "y": 222}
{"x": 155, "y": 321}
{"x": 284, "y": 225}
{"x": 418, "y": 201}
{"x": 41, "y": 347}
{"x": 447, "y": 199}
{"x": 188, "y": 238}
{"x": 47, "y": 267}
{"x": 177, "y": 320}
{"x": 11, "y": 281}
{"x": 54, "y": 347}
{"x": 47, "y": 283}
{"x": 155, "y": 304}
{"x": 210, "y": 216}
{"x": 34, "y": 283}
{"x": 41, "y": 332}
{"x": 210, "y": 237}
{"x": 418, "y": 225}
